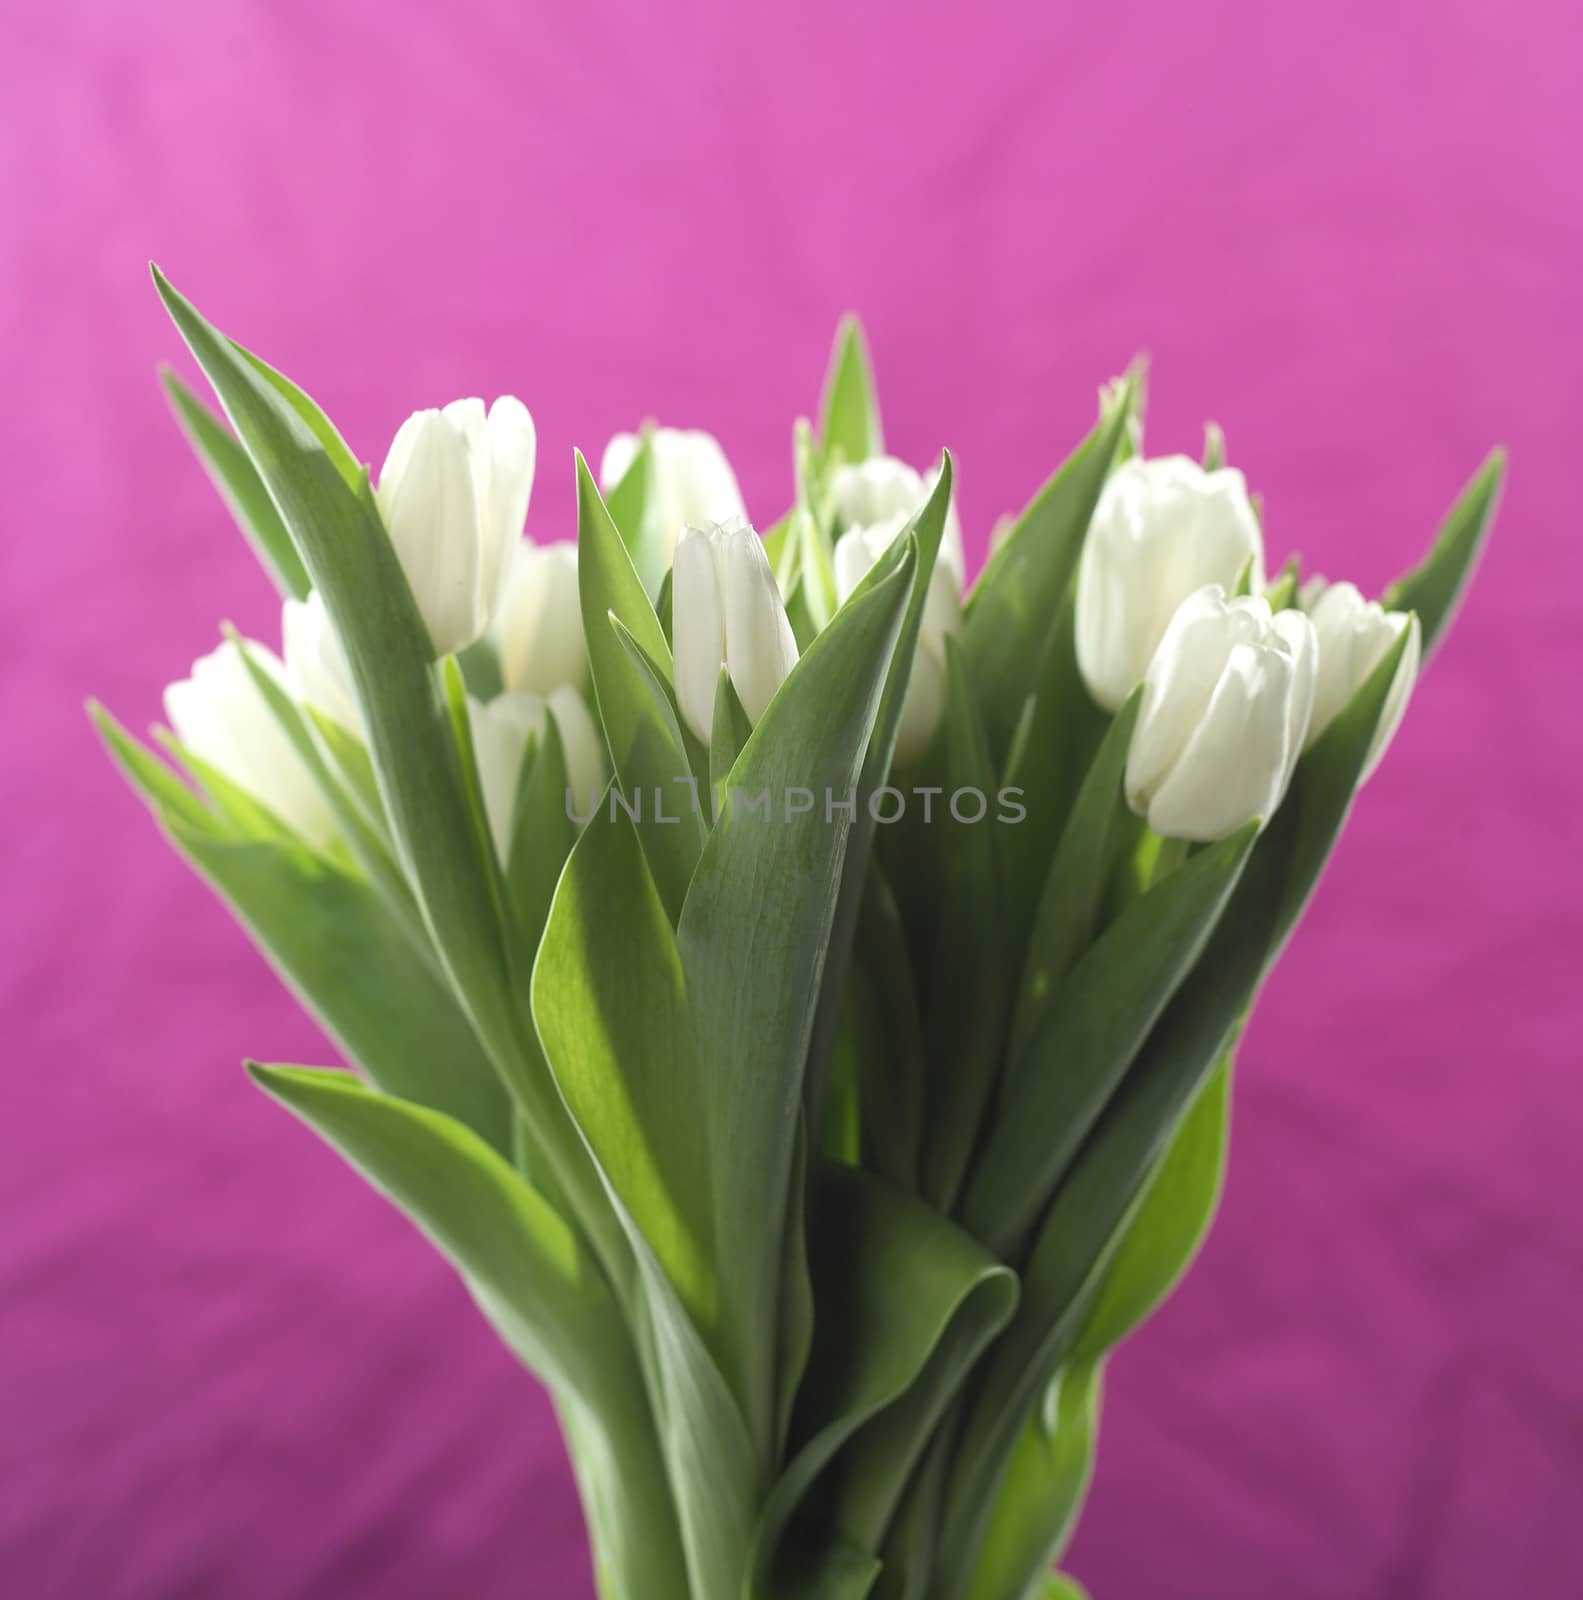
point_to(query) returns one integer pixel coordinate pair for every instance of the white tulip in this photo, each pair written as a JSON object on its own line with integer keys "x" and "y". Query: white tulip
{"x": 1162, "y": 529}
{"x": 454, "y": 494}
{"x": 727, "y": 611}
{"x": 872, "y": 492}
{"x": 316, "y": 666}
{"x": 502, "y": 730}
{"x": 1226, "y": 702}
{"x": 693, "y": 481}
{"x": 538, "y": 631}
{"x": 1354, "y": 635}
{"x": 855, "y": 553}
{"x": 220, "y": 716}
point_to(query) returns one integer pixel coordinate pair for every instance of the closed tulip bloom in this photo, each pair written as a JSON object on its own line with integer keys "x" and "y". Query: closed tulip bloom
{"x": 221, "y": 718}
{"x": 316, "y": 666}
{"x": 693, "y": 481}
{"x": 454, "y": 494}
{"x": 727, "y": 611}
{"x": 1354, "y": 635}
{"x": 855, "y": 553}
{"x": 538, "y": 631}
{"x": 1226, "y": 703}
{"x": 502, "y": 730}
{"x": 1162, "y": 529}
{"x": 871, "y": 493}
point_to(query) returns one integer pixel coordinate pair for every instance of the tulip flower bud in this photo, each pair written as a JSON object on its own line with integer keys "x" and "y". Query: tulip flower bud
{"x": 693, "y": 481}
{"x": 1354, "y": 635}
{"x": 221, "y": 718}
{"x": 1162, "y": 529}
{"x": 538, "y": 631}
{"x": 502, "y": 730}
{"x": 316, "y": 665}
{"x": 1226, "y": 702}
{"x": 872, "y": 492}
{"x": 856, "y": 551}
{"x": 454, "y": 494}
{"x": 727, "y": 611}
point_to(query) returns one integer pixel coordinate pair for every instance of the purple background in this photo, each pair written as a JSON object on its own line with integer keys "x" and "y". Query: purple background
{"x": 1352, "y": 234}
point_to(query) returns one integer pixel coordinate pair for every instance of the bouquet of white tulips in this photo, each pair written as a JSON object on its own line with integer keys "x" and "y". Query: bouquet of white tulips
{"x": 796, "y": 990}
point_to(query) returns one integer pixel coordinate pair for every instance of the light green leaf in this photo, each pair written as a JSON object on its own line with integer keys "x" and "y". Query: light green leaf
{"x": 634, "y": 507}
{"x": 1044, "y": 1488}
{"x": 1434, "y": 588}
{"x": 1013, "y": 605}
{"x": 849, "y": 409}
{"x": 542, "y": 835}
{"x": 901, "y": 1296}
{"x": 1089, "y": 1036}
{"x": 635, "y": 703}
{"x": 537, "y": 1286}
{"x": 1086, "y": 1220}
{"x": 240, "y": 487}
{"x": 1169, "y": 1225}
{"x": 753, "y": 937}
{"x": 336, "y": 946}
{"x": 729, "y": 733}
{"x": 611, "y": 1010}
{"x": 337, "y": 531}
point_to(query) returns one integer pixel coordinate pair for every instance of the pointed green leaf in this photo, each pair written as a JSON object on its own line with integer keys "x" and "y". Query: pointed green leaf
{"x": 337, "y": 530}
{"x": 1086, "y": 1220}
{"x": 635, "y": 702}
{"x": 1069, "y": 904}
{"x": 849, "y": 409}
{"x": 1434, "y": 588}
{"x": 753, "y": 937}
{"x": 1094, "y": 1027}
{"x": 1011, "y": 609}
{"x": 240, "y": 486}
{"x": 533, "y": 1281}
{"x": 1169, "y": 1225}
{"x": 1044, "y": 1489}
{"x": 967, "y": 1015}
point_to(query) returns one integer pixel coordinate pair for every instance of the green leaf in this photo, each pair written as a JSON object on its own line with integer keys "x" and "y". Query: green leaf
{"x": 536, "y": 1285}
{"x": 1057, "y": 738}
{"x": 1087, "y": 1218}
{"x": 730, "y": 732}
{"x": 611, "y": 1010}
{"x": 337, "y": 948}
{"x": 927, "y": 528}
{"x": 337, "y": 530}
{"x": 1434, "y": 588}
{"x": 849, "y": 408}
{"x": 634, "y": 508}
{"x": 1169, "y": 1224}
{"x": 1074, "y": 888}
{"x": 1010, "y": 611}
{"x": 240, "y": 487}
{"x": 610, "y": 1006}
{"x": 149, "y": 777}
{"x": 898, "y": 1291}
{"x": 1045, "y": 1485}
{"x": 542, "y": 835}
{"x": 635, "y": 703}
{"x": 967, "y": 1013}
{"x": 753, "y": 937}
{"x": 1093, "y": 1029}
{"x": 890, "y": 1040}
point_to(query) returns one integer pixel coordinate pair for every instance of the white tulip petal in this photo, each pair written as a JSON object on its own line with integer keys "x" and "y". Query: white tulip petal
{"x": 583, "y": 746}
{"x": 698, "y": 626}
{"x": 316, "y": 665}
{"x": 760, "y": 647}
{"x": 502, "y": 731}
{"x": 538, "y": 631}
{"x": 510, "y": 449}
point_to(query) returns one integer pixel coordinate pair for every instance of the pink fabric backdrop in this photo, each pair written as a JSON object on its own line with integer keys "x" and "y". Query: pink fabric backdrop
{"x": 1352, "y": 234}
